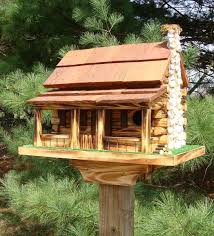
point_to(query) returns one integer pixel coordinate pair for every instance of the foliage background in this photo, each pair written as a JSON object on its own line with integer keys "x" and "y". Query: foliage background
{"x": 47, "y": 197}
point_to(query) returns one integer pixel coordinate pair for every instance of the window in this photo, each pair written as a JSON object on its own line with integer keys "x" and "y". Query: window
{"x": 65, "y": 118}
{"x": 124, "y": 119}
{"x": 83, "y": 118}
{"x": 137, "y": 118}
{"x": 108, "y": 123}
{"x": 93, "y": 122}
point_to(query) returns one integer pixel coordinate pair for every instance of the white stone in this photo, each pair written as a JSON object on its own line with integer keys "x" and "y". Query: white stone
{"x": 170, "y": 35}
{"x": 161, "y": 152}
{"x": 177, "y": 37}
{"x": 170, "y": 130}
{"x": 176, "y": 134}
{"x": 177, "y": 145}
{"x": 171, "y": 31}
{"x": 172, "y": 67}
{"x": 172, "y": 83}
{"x": 172, "y": 45}
{"x": 170, "y": 145}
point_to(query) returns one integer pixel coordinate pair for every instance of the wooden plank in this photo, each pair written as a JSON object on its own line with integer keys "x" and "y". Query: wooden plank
{"x": 123, "y": 174}
{"x": 163, "y": 139}
{"x": 123, "y": 139}
{"x": 142, "y": 131}
{"x": 184, "y": 92}
{"x": 96, "y": 99}
{"x": 184, "y": 74}
{"x": 186, "y": 156}
{"x": 146, "y": 130}
{"x": 108, "y": 122}
{"x": 116, "y": 204}
{"x": 157, "y": 131}
{"x": 75, "y": 124}
{"x": 132, "y": 158}
{"x": 60, "y": 93}
{"x": 82, "y": 105}
{"x": 37, "y": 127}
{"x": 163, "y": 122}
{"x": 112, "y": 75}
{"x": 55, "y": 136}
{"x": 100, "y": 128}
{"x": 86, "y": 141}
{"x": 119, "y": 53}
{"x": 160, "y": 114}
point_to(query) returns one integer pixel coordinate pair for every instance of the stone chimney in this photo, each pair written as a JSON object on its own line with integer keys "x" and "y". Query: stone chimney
{"x": 176, "y": 132}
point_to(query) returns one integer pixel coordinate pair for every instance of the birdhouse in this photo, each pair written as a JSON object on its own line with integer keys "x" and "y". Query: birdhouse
{"x": 127, "y": 98}
{"x": 117, "y": 112}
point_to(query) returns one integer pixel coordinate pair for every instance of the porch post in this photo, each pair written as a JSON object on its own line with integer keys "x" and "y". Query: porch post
{"x": 75, "y": 123}
{"x": 37, "y": 127}
{"x": 100, "y": 128}
{"x": 146, "y": 130}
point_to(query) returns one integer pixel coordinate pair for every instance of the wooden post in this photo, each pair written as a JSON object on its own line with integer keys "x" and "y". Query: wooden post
{"x": 116, "y": 210}
{"x": 146, "y": 130}
{"x": 116, "y": 197}
{"x": 100, "y": 128}
{"x": 37, "y": 127}
{"x": 75, "y": 123}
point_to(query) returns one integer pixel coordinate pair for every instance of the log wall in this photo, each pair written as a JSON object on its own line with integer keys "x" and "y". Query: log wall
{"x": 131, "y": 130}
{"x": 128, "y": 128}
{"x": 159, "y": 132}
{"x": 159, "y": 122}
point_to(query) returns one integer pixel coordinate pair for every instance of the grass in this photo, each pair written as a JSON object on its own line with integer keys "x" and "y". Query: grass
{"x": 185, "y": 148}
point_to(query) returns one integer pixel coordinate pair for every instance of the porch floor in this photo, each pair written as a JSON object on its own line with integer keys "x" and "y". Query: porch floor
{"x": 178, "y": 156}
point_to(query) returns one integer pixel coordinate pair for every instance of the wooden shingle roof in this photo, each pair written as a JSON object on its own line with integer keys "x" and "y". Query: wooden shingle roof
{"x": 120, "y": 53}
{"x": 118, "y": 66}
{"x": 131, "y": 73}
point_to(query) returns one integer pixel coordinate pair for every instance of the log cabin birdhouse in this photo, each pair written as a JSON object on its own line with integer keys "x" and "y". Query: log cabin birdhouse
{"x": 126, "y": 99}
{"x": 117, "y": 113}
{"x": 121, "y": 100}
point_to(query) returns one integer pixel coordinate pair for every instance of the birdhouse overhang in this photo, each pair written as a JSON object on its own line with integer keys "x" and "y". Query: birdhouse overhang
{"x": 98, "y": 98}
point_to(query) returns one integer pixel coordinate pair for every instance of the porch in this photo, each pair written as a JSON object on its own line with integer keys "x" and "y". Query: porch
{"x": 97, "y": 137}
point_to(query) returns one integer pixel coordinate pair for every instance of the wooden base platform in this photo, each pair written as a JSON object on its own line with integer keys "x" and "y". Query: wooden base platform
{"x": 113, "y": 157}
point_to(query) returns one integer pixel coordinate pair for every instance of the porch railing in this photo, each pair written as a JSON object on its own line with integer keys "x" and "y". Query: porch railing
{"x": 88, "y": 141}
{"x": 131, "y": 144}
{"x": 55, "y": 140}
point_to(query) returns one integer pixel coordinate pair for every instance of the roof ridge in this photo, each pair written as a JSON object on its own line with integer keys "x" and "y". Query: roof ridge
{"x": 121, "y": 45}
{"x": 110, "y": 62}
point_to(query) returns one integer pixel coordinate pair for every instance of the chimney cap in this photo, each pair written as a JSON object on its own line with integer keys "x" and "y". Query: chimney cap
{"x": 171, "y": 27}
